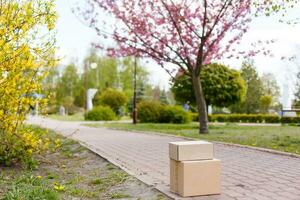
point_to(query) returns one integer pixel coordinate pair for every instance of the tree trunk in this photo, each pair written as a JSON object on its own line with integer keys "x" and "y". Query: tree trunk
{"x": 201, "y": 104}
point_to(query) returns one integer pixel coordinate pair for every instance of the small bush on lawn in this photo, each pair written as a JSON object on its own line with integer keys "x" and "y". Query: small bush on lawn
{"x": 100, "y": 113}
{"x": 194, "y": 117}
{"x": 154, "y": 112}
{"x": 113, "y": 98}
{"x": 149, "y": 111}
{"x": 72, "y": 109}
{"x": 174, "y": 114}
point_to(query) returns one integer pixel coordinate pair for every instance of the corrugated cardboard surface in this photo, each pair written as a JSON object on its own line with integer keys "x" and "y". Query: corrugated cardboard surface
{"x": 191, "y": 150}
{"x": 195, "y": 178}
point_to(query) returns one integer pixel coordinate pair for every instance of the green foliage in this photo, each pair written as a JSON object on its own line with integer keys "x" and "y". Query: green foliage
{"x": 30, "y": 187}
{"x": 100, "y": 113}
{"x": 126, "y": 73}
{"x": 174, "y": 114}
{"x": 222, "y": 87}
{"x": 249, "y": 118}
{"x": 254, "y": 90}
{"x": 73, "y": 109}
{"x": 113, "y": 98}
{"x": 296, "y": 102}
{"x": 290, "y": 120}
{"x": 149, "y": 111}
{"x": 20, "y": 148}
{"x": 67, "y": 85}
{"x": 270, "y": 88}
{"x": 245, "y": 118}
{"x": 163, "y": 98}
{"x": 27, "y": 52}
{"x": 155, "y": 112}
{"x": 265, "y": 103}
{"x": 52, "y": 109}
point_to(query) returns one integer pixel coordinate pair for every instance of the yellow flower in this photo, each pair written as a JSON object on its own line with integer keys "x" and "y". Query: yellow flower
{"x": 59, "y": 187}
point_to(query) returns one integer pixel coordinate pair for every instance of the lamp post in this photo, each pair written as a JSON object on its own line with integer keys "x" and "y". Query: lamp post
{"x": 86, "y": 66}
{"x": 134, "y": 113}
{"x": 85, "y": 84}
{"x": 94, "y": 65}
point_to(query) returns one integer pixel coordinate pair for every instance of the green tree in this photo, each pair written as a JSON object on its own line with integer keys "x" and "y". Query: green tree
{"x": 126, "y": 73}
{"x": 265, "y": 103}
{"x": 49, "y": 85}
{"x": 66, "y": 87}
{"x": 270, "y": 88}
{"x": 222, "y": 87}
{"x": 105, "y": 75}
{"x": 296, "y": 102}
{"x": 251, "y": 104}
{"x": 163, "y": 97}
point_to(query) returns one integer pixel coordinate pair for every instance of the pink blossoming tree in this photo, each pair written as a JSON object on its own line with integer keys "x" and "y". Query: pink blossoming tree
{"x": 188, "y": 34}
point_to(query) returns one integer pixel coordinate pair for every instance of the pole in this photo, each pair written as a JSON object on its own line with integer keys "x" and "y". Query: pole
{"x": 134, "y": 113}
{"x": 85, "y": 85}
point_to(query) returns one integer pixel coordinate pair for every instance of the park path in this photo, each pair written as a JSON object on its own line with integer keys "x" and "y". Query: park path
{"x": 246, "y": 173}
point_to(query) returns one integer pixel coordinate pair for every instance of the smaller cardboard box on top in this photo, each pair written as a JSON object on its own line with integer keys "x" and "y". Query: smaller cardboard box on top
{"x": 193, "y": 170}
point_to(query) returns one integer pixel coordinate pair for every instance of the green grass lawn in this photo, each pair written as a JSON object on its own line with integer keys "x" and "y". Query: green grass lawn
{"x": 75, "y": 117}
{"x": 282, "y": 138}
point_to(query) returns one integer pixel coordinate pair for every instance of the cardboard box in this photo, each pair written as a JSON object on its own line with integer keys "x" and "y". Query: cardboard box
{"x": 195, "y": 178}
{"x": 191, "y": 150}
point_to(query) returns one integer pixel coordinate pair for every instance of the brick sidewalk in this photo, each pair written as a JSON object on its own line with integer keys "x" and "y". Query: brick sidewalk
{"x": 246, "y": 173}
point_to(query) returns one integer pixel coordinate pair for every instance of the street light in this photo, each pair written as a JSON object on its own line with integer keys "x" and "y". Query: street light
{"x": 134, "y": 111}
{"x": 94, "y": 65}
{"x": 86, "y": 94}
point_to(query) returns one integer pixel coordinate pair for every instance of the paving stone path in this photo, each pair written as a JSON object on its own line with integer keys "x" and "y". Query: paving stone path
{"x": 246, "y": 173}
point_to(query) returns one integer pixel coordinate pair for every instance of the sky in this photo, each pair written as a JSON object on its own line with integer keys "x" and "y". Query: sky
{"x": 74, "y": 39}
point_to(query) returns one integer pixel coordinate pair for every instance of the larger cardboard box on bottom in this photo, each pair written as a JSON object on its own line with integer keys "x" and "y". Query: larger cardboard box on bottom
{"x": 195, "y": 178}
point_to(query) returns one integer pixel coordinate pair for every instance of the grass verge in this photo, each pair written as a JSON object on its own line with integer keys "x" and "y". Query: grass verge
{"x": 75, "y": 117}
{"x": 281, "y": 138}
{"x": 71, "y": 172}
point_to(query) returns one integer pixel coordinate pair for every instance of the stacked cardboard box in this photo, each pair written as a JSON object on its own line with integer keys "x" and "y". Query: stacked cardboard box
{"x": 193, "y": 169}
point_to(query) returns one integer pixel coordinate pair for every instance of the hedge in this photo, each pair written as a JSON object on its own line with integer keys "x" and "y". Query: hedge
{"x": 155, "y": 112}
{"x": 290, "y": 120}
{"x": 249, "y": 118}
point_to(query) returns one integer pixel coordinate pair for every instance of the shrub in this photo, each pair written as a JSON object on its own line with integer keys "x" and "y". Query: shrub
{"x": 100, "y": 113}
{"x": 19, "y": 147}
{"x": 154, "y": 112}
{"x": 112, "y": 98}
{"x": 290, "y": 120}
{"x": 24, "y": 53}
{"x": 72, "y": 109}
{"x": 174, "y": 114}
{"x": 272, "y": 119}
{"x": 53, "y": 109}
{"x": 149, "y": 111}
{"x": 245, "y": 118}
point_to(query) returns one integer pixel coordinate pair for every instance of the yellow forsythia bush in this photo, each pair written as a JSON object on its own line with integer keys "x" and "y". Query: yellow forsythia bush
{"x": 27, "y": 49}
